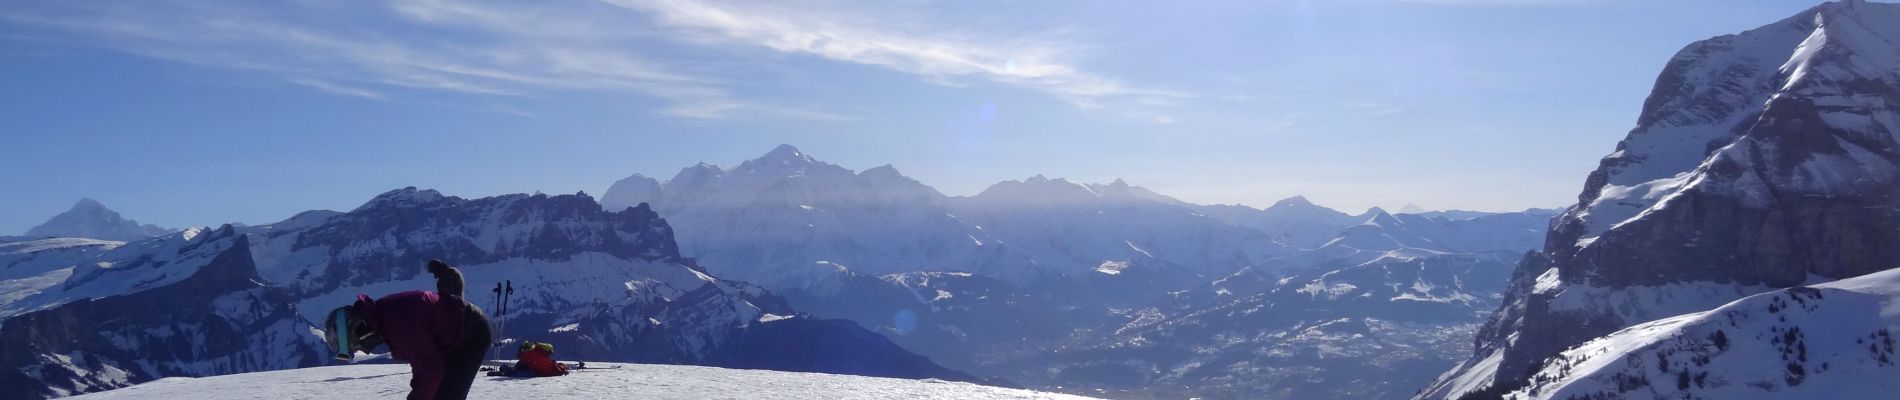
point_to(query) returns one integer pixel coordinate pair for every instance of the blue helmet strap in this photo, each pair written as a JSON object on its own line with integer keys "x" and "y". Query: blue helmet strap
{"x": 343, "y": 351}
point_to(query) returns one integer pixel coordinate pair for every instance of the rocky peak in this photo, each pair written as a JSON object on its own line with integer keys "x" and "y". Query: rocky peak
{"x": 881, "y": 172}
{"x": 1378, "y": 217}
{"x": 87, "y": 204}
{"x": 785, "y": 152}
{"x": 1037, "y": 191}
{"x": 630, "y": 191}
{"x": 1295, "y": 201}
{"x": 87, "y": 218}
{"x": 785, "y": 159}
{"x": 1762, "y": 160}
{"x": 406, "y": 197}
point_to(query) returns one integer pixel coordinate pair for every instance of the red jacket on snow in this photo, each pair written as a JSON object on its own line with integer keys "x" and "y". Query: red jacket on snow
{"x": 540, "y": 362}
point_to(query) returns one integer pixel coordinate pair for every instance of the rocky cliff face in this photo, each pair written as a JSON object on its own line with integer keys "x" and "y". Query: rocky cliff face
{"x": 217, "y": 320}
{"x": 1761, "y": 160}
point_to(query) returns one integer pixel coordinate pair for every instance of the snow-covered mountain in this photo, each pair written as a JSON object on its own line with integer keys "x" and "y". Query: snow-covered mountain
{"x": 771, "y": 220}
{"x": 1114, "y": 230}
{"x": 1294, "y": 221}
{"x": 1414, "y": 311}
{"x": 1761, "y": 160}
{"x": 1045, "y": 281}
{"x": 1382, "y": 236}
{"x": 1376, "y": 312}
{"x": 89, "y": 219}
{"x": 1831, "y": 340}
{"x": 88, "y": 315}
{"x": 600, "y": 381}
{"x": 1377, "y": 330}
{"x": 187, "y": 304}
{"x": 774, "y": 219}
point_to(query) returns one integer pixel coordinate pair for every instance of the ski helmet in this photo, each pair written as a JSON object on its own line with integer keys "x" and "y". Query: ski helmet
{"x": 347, "y": 332}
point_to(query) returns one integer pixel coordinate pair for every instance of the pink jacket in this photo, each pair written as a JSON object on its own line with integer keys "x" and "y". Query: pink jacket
{"x": 421, "y": 328}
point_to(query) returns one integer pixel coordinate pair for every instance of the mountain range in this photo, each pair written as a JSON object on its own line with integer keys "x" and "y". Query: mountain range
{"x": 1738, "y": 242}
{"x": 1012, "y": 283}
{"x": 1055, "y": 283}
{"x": 81, "y": 315}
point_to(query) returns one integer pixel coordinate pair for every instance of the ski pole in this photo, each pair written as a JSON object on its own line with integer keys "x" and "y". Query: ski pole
{"x": 505, "y": 296}
{"x": 496, "y": 323}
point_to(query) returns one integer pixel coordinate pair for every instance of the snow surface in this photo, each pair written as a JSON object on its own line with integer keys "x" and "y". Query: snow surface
{"x": 637, "y": 381}
{"x": 1831, "y": 340}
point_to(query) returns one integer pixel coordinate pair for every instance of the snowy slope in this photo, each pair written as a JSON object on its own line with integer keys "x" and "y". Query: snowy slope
{"x": 32, "y": 266}
{"x": 1831, "y": 340}
{"x": 610, "y": 381}
{"x": 89, "y": 219}
{"x": 52, "y": 272}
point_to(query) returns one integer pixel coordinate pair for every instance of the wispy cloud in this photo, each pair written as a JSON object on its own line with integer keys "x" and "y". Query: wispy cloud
{"x": 337, "y": 88}
{"x": 427, "y": 45}
{"x": 1370, "y": 109}
{"x": 524, "y": 50}
{"x": 938, "y": 56}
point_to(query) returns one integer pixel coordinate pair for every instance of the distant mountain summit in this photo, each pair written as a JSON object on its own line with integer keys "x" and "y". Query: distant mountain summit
{"x": 1294, "y": 221}
{"x": 770, "y": 219}
{"x": 89, "y": 219}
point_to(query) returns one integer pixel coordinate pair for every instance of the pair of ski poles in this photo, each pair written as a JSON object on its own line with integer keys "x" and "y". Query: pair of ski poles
{"x": 501, "y": 310}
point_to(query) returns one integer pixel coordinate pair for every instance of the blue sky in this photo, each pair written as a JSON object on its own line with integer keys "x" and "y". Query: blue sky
{"x": 203, "y": 112}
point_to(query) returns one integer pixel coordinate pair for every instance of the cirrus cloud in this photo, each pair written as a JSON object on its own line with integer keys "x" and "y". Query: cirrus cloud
{"x": 521, "y": 51}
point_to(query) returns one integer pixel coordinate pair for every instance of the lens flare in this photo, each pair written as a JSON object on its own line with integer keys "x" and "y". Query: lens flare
{"x": 905, "y": 322}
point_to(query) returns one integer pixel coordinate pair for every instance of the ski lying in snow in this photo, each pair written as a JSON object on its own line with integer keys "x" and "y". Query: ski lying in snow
{"x": 581, "y": 366}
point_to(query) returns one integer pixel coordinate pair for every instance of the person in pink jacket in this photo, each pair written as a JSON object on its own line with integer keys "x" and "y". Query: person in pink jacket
{"x": 440, "y": 334}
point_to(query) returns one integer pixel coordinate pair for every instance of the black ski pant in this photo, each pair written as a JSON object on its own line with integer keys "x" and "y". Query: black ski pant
{"x": 466, "y": 359}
